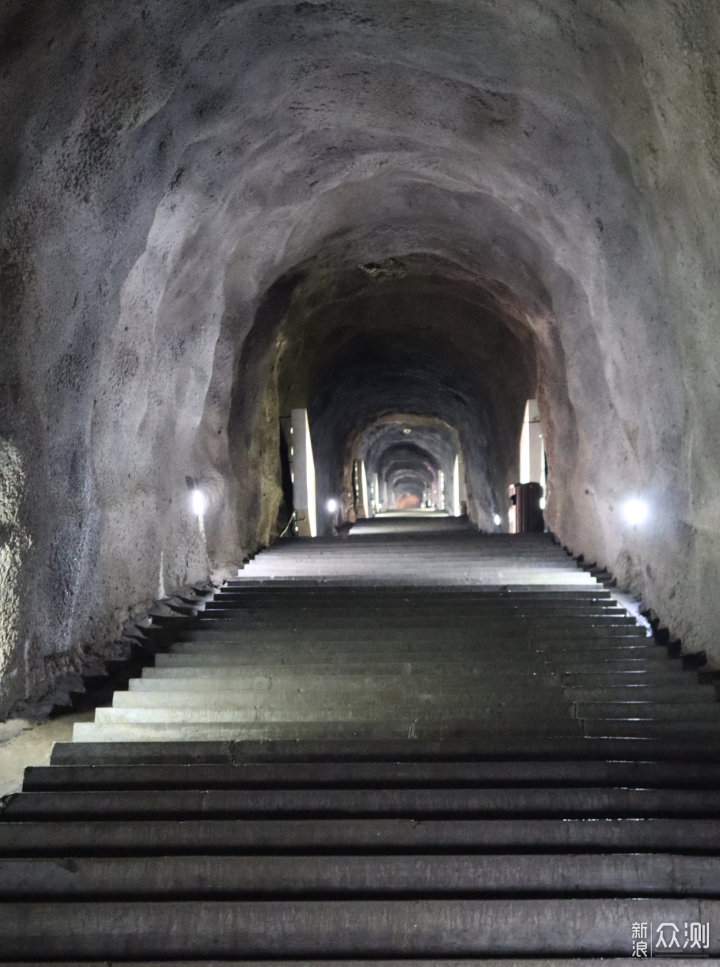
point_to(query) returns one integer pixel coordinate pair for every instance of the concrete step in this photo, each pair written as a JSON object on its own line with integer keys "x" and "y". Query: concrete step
{"x": 223, "y": 632}
{"x": 510, "y": 649}
{"x": 384, "y": 731}
{"x": 334, "y": 701}
{"x": 235, "y": 672}
{"x": 656, "y": 728}
{"x": 590, "y": 802}
{"x": 164, "y": 837}
{"x": 373, "y": 775}
{"x": 371, "y": 962}
{"x": 326, "y": 677}
{"x": 457, "y": 610}
{"x": 459, "y": 584}
{"x": 460, "y": 642}
{"x": 272, "y": 589}
{"x": 214, "y": 667}
{"x": 600, "y": 673}
{"x": 684, "y": 694}
{"x": 337, "y": 928}
{"x": 352, "y": 748}
{"x": 222, "y": 877}
{"x": 347, "y": 620}
{"x": 368, "y": 676}
{"x": 533, "y": 663}
{"x": 469, "y": 580}
{"x": 599, "y": 678}
{"x": 387, "y": 730}
{"x": 421, "y": 637}
{"x": 687, "y": 712}
{"x": 495, "y": 718}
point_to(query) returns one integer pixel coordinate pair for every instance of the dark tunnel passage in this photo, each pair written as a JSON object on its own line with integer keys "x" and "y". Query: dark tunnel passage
{"x": 423, "y": 449}
{"x": 229, "y": 212}
{"x": 414, "y": 335}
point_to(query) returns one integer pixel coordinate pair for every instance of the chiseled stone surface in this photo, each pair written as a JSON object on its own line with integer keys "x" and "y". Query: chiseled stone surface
{"x": 199, "y": 200}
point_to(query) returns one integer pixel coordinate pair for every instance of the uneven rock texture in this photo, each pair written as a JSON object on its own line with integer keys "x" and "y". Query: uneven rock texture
{"x": 488, "y": 194}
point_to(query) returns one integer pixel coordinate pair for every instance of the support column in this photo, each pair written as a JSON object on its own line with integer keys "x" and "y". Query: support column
{"x": 303, "y": 475}
{"x": 532, "y": 453}
{"x": 456, "y": 487}
{"x": 362, "y": 500}
{"x": 527, "y": 497}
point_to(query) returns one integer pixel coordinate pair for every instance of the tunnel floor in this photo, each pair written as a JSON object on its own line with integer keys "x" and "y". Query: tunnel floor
{"x": 416, "y": 743}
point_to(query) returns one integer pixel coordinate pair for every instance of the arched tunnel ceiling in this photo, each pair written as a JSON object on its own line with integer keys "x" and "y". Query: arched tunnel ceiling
{"x": 191, "y": 189}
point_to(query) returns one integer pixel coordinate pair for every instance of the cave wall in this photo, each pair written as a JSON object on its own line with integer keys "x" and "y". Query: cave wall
{"x": 162, "y": 165}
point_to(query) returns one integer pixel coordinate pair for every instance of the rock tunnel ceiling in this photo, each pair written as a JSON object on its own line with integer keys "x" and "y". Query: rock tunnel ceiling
{"x": 212, "y": 211}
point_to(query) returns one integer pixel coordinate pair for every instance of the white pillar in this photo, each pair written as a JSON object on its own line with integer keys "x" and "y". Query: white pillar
{"x": 362, "y": 498}
{"x": 532, "y": 453}
{"x": 303, "y": 475}
{"x": 456, "y": 487}
{"x": 364, "y": 495}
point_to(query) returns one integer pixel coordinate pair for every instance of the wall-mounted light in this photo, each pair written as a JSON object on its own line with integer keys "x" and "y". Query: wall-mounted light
{"x": 198, "y": 502}
{"x": 636, "y": 512}
{"x": 497, "y": 520}
{"x": 332, "y": 505}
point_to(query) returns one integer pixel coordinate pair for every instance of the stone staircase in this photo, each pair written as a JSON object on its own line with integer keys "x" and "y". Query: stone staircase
{"x": 416, "y": 745}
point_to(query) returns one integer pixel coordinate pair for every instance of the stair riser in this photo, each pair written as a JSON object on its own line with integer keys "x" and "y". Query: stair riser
{"x": 652, "y": 711}
{"x": 162, "y": 837}
{"x": 288, "y": 775}
{"x": 253, "y": 876}
{"x": 415, "y": 803}
{"x": 491, "y": 719}
{"x": 318, "y": 929}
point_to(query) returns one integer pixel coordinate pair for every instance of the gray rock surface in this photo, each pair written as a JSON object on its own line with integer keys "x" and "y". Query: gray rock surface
{"x": 211, "y": 211}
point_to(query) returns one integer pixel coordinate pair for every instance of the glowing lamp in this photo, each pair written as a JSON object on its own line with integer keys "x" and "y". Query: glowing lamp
{"x": 198, "y": 502}
{"x": 636, "y": 512}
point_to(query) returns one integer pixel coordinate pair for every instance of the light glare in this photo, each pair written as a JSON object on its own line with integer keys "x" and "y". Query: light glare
{"x": 332, "y": 505}
{"x": 198, "y": 502}
{"x": 636, "y": 512}
{"x": 497, "y": 520}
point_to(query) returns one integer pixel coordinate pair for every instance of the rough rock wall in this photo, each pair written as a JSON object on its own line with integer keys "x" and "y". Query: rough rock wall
{"x": 163, "y": 164}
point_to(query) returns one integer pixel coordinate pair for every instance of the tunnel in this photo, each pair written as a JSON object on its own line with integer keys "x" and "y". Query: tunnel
{"x": 411, "y": 461}
{"x": 359, "y": 481}
{"x": 393, "y": 218}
